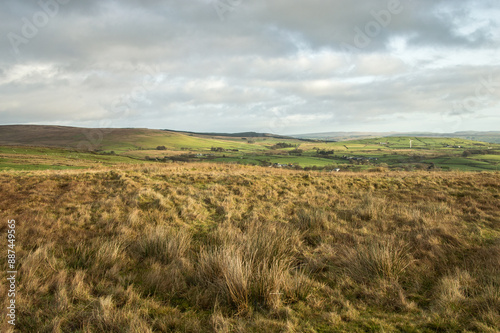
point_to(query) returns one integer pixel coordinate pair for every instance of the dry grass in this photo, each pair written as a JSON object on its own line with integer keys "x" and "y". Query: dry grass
{"x": 164, "y": 245}
{"x": 386, "y": 259}
{"x": 217, "y": 248}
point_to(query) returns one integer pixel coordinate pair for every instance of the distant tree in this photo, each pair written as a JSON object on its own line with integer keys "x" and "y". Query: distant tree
{"x": 325, "y": 152}
{"x": 296, "y": 152}
{"x": 281, "y": 145}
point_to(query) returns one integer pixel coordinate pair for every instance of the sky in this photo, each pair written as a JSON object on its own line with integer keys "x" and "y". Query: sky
{"x": 276, "y": 66}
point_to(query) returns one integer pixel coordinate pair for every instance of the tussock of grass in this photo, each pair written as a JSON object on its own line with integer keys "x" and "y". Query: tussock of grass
{"x": 164, "y": 244}
{"x": 251, "y": 268}
{"x": 387, "y": 259}
{"x": 225, "y": 273}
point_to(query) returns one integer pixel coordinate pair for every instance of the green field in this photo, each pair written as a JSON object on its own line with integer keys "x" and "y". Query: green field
{"x": 46, "y": 147}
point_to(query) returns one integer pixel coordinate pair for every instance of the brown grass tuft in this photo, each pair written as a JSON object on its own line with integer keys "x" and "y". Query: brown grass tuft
{"x": 387, "y": 259}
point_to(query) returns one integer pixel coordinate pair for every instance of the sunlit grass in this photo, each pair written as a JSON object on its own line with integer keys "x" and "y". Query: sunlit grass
{"x": 211, "y": 247}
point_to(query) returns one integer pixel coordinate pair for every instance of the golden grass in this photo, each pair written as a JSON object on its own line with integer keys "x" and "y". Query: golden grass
{"x": 220, "y": 248}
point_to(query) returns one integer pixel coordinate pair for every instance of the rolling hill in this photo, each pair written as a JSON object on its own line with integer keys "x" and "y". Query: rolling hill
{"x": 50, "y": 146}
{"x": 122, "y": 139}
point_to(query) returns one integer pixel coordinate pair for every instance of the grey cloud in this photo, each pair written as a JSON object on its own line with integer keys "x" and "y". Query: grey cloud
{"x": 269, "y": 62}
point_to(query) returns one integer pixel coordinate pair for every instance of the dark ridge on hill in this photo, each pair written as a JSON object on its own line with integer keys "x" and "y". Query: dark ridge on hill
{"x": 342, "y": 136}
{"x": 241, "y": 135}
{"x": 39, "y": 135}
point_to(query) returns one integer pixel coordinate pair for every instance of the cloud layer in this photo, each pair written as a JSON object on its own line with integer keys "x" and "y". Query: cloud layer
{"x": 237, "y": 65}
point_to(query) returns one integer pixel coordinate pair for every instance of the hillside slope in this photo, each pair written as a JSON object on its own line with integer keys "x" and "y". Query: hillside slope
{"x": 76, "y": 137}
{"x": 124, "y": 139}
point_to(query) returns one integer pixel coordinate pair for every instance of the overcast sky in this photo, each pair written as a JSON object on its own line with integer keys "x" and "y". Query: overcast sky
{"x": 277, "y": 66}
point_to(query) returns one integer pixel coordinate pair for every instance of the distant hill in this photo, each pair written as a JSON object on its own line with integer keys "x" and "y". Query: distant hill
{"x": 120, "y": 139}
{"x": 490, "y": 136}
{"x": 341, "y": 136}
{"x": 63, "y": 136}
{"x": 134, "y": 139}
{"x": 237, "y": 135}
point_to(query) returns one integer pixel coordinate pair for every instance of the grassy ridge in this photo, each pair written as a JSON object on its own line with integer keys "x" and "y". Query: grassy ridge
{"x": 222, "y": 248}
